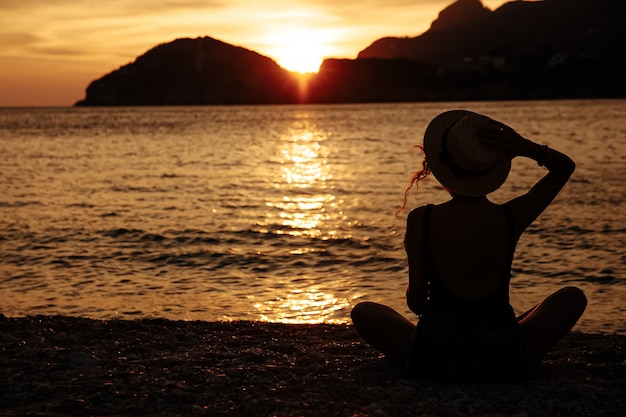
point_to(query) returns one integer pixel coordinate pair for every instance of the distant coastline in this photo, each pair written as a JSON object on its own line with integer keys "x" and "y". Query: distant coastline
{"x": 575, "y": 49}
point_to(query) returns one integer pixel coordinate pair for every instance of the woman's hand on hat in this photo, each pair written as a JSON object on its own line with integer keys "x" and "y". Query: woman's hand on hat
{"x": 502, "y": 138}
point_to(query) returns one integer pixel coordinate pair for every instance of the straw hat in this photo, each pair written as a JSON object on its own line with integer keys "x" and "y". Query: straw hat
{"x": 457, "y": 158}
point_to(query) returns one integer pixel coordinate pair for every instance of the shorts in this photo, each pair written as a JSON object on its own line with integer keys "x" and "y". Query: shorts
{"x": 478, "y": 348}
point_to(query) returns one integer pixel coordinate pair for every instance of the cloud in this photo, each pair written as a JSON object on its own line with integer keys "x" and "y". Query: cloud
{"x": 73, "y": 25}
{"x": 60, "y": 51}
{"x": 116, "y": 7}
{"x": 11, "y": 39}
{"x": 119, "y": 30}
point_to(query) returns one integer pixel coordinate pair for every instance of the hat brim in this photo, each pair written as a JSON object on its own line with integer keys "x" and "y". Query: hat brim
{"x": 468, "y": 185}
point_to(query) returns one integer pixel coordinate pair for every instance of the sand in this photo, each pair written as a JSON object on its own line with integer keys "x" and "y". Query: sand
{"x": 63, "y": 366}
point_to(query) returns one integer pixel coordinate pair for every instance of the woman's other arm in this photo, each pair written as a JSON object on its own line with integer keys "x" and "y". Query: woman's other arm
{"x": 416, "y": 291}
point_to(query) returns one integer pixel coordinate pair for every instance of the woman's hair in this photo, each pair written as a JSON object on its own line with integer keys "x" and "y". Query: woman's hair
{"x": 415, "y": 179}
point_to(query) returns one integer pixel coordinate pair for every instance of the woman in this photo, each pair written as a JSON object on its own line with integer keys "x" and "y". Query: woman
{"x": 459, "y": 255}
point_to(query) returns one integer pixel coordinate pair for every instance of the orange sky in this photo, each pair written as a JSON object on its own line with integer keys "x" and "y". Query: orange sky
{"x": 50, "y": 50}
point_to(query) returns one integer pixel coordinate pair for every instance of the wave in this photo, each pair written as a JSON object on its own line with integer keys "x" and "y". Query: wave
{"x": 20, "y": 203}
{"x": 254, "y": 251}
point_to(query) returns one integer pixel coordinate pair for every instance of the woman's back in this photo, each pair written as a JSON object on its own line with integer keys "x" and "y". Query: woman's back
{"x": 470, "y": 247}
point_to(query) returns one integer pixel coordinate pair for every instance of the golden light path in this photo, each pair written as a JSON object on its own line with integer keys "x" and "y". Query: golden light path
{"x": 303, "y": 166}
{"x": 303, "y": 211}
{"x": 301, "y": 306}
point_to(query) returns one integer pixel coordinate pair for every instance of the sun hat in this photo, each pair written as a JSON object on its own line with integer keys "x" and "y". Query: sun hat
{"x": 458, "y": 159}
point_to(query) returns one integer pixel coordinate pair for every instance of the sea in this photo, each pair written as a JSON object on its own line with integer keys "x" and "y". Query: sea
{"x": 280, "y": 213}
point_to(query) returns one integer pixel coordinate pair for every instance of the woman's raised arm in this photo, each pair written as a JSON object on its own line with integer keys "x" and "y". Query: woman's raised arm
{"x": 529, "y": 206}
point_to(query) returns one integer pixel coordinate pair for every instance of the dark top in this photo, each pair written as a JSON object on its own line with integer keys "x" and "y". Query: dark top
{"x": 441, "y": 298}
{"x": 461, "y": 339}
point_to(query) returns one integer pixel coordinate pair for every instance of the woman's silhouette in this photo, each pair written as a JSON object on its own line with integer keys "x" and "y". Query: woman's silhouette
{"x": 459, "y": 256}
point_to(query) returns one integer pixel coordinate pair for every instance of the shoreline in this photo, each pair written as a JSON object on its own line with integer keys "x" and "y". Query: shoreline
{"x": 67, "y": 366}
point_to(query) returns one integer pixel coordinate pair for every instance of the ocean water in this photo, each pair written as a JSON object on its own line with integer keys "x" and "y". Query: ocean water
{"x": 279, "y": 213}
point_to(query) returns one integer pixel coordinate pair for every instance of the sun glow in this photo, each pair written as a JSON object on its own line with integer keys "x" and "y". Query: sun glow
{"x": 299, "y": 50}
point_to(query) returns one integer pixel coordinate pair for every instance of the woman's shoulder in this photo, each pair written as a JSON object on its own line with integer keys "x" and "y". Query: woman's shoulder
{"x": 415, "y": 219}
{"x": 418, "y": 212}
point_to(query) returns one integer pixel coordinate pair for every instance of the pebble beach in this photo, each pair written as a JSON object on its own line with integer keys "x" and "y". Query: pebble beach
{"x": 66, "y": 366}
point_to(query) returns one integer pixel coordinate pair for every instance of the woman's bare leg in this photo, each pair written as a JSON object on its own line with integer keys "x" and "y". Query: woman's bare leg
{"x": 544, "y": 325}
{"x": 384, "y": 329}
{"x": 526, "y": 313}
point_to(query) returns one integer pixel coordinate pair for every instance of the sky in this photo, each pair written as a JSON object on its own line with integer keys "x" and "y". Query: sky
{"x": 50, "y": 50}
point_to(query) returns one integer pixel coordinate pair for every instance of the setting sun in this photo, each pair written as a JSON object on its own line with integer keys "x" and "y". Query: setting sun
{"x": 298, "y": 50}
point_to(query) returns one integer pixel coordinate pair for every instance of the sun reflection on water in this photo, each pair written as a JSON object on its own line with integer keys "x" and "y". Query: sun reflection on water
{"x": 302, "y": 163}
{"x": 306, "y": 208}
{"x": 302, "y": 215}
{"x": 299, "y": 306}
{"x": 305, "y": 205}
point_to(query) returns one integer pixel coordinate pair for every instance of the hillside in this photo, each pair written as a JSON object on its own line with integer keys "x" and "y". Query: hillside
{"x": 194, "y": 72}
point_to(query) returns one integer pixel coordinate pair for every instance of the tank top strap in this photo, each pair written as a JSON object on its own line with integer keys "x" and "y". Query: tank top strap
{"x": 427, "y": 251}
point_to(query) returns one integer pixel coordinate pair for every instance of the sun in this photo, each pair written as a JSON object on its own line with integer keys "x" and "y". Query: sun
{"x": 299, "y": 61}
{"x": 299, "y": 50}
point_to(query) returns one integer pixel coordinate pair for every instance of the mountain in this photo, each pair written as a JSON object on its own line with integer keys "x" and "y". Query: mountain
{"x": 523, "y": 50}
{"x": 194, "y": 71}
{"x": 466, "y": 29}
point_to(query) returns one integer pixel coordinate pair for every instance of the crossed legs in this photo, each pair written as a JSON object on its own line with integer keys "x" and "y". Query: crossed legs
{"x": 542, "y": 326}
